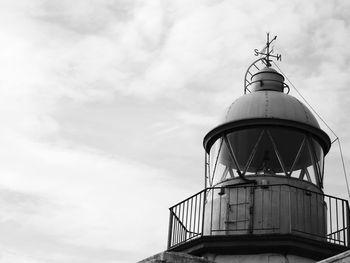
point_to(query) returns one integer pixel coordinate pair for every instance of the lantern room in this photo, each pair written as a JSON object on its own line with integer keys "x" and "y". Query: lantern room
{"x": 266, "y": 133}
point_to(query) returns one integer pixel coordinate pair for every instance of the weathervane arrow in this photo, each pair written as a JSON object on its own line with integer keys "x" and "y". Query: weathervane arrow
{"x": 269, "y": 53}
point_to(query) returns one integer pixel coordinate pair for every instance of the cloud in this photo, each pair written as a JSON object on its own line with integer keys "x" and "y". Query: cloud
{"x": 81, "y": 202}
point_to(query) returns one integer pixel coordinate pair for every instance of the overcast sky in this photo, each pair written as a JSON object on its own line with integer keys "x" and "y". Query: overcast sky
{"x": 104, "y": 105}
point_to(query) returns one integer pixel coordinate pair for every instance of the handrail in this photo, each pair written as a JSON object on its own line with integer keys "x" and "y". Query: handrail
{"x": 189, "y": 197}
{"x": 338, "y": 231}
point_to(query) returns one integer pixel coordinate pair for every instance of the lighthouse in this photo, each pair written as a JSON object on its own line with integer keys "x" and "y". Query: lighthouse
{"x": 263, "y": 198}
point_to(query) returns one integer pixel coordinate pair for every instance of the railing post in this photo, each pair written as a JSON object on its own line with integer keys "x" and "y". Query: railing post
{"x": 251, "y": 209}
{"x": 347, "y": 223}
{"x": 203, "y": 212}
{"x": 170, "y": 232}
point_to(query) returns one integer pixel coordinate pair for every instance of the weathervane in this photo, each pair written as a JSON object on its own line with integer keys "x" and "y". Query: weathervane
{"x": 269, "y": 52}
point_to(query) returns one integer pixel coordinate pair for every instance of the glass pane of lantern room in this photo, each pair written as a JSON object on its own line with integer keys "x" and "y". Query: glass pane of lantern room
{"x": 288, "y": 143}
{"x": 319, "y": 156}
{"x": 312, "y": 169}
{"x": 265, "y": 160}
{"x": 316, "y": 154}
{"x": 213, "y": 160}
{"x": 242, "y": 144}
{"x": 221, "y": 163}
{"x": 304, "y": 168}
{"x": 226, "y": 167}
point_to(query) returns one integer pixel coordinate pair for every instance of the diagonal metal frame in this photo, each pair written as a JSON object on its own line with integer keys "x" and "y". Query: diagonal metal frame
{"x": 252, "y": 154}
{"x": 232, "y": 155}
{"x": 224, "y": 174}
{"x": 298, "y": 155}
{"x": 317, "y": 162}
{"x": 216, "y": 163}
{"x": 314, "y": 161}
{"x": 277, "y": 153}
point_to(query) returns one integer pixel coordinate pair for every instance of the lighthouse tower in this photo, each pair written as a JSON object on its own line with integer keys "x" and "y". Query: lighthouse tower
{"x": 263, "y": 199}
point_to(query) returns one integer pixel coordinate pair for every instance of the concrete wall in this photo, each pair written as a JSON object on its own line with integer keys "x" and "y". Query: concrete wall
{"x": 174, "y": 257}
{"x": 341, "y": 258}
{"x": 259, "y": 258}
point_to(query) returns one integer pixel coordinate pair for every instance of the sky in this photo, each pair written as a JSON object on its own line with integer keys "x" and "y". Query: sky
{"x": 104, "y": 105}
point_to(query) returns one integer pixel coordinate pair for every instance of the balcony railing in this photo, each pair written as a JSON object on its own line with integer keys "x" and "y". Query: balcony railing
{"x": 253, "y": 209}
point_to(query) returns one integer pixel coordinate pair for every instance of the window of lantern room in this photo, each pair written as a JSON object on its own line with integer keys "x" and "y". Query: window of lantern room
{"x": 265, "y": 151}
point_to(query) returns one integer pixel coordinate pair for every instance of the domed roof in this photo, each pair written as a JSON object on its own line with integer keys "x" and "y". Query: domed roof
{"x": 267, "y": 104}
{"x": 268, "y": 69}
{"x": 270, "y": 104}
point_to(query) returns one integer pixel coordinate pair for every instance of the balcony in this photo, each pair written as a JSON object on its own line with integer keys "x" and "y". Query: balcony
{"x": 260, "y": 211}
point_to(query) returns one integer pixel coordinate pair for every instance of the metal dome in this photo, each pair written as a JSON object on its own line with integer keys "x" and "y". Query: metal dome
{"x": 270, "y": 104}
{"x": 267, "y": 104}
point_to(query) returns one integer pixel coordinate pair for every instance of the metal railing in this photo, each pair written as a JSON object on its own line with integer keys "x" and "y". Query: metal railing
{"x": 186, "y": 219}
{"x": 260, "y": 209}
